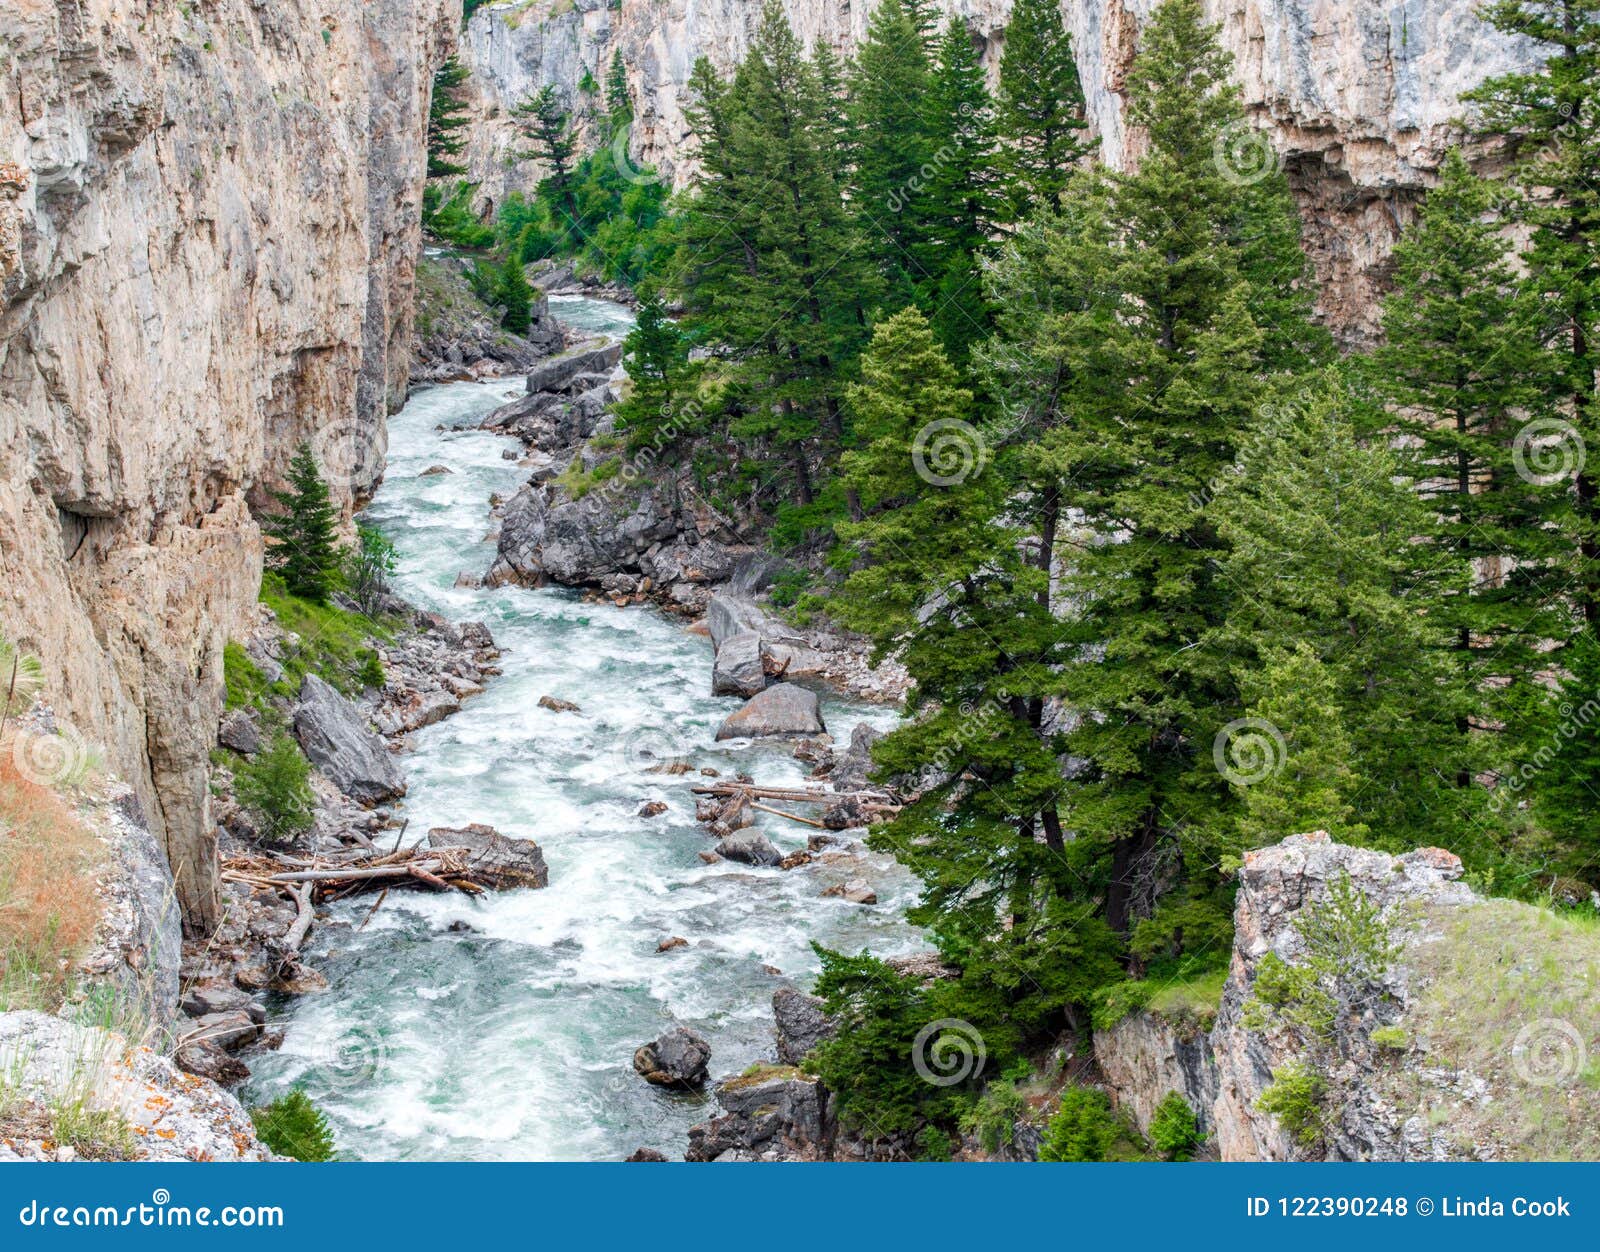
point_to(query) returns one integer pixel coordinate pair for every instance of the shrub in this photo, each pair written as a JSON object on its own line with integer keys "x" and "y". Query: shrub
{"x": 274, "y": 787}
{"x": 1173, "y": 1130}
{"x": 368, "y": 567}
{"x": 992, "y": 1119}
{"x": 1295, "y": 1099}
{"x": 933, "y": 1144}
{"x": 371, "y": 674}
{"x": 295, "y": 1127}
{"x": 1390, "y": 1038}
{"x": 1083, "y": 1129}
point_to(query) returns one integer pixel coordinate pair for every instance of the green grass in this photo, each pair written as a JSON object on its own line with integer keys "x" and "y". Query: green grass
{"x": 1508, "y": 991}
{"x": 1196, "y": 1000}
{"x": 580, "y": 482}
{"x": 334, "y": 644}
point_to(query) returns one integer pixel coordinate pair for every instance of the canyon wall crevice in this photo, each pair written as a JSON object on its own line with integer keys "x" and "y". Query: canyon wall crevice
{"x": 1361, "y": 98}
{"x": 208, "y": 231}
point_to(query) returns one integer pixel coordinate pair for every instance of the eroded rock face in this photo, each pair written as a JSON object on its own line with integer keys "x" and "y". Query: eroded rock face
{"x": 334, "y": 733}
{"x": 1360, "y": 97}
{"x": 208, "y": 226}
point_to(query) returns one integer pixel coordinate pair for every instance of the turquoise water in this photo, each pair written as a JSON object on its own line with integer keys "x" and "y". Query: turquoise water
{"x": 513, "y": 1040}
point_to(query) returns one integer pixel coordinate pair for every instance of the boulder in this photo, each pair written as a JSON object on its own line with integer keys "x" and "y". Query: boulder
{"x": 751, "y": 847}
{"x": 728, "y": 615}
{"x": 334, "y": 734}
{"x": 208, "y": 998}
{"x": 775, "y": 1111}
{"x": 496, "y": 859}
{"x": 856, "y": 891}
{"x": 230, "y": 1030}
{"x": 205, "y": 1059}
{"x": 783, "y": 709}
{"x": 801, "y": 1023}
{"x": 559, "y": 372}
{"x": 676, "y": 941}
{"x": 852, "y": 766}
{"x": 646, "y": 1154}
{"x": 557, "y": 705}
{"x": 737, "y": 669}
{"x": 677, "y": 1059}
{"x": 652, "y": 808}
{"x": 239, "y": 731}
{"x": 424, "y": 708}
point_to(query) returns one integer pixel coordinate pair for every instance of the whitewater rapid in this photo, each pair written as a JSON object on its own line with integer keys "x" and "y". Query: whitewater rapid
{"x": 503, "y": 1027}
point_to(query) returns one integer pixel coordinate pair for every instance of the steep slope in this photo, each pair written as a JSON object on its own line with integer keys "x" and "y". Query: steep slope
{"x": 1360, "y": 98}
{"x": 208, "y": 227}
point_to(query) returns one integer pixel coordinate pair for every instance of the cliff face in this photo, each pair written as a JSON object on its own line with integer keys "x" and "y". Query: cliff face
{"x": 1360, "y": 97}
{"x": 208, "y": 227}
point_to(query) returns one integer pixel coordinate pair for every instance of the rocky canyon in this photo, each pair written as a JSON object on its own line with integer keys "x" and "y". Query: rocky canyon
{"x": 208, "y": 230}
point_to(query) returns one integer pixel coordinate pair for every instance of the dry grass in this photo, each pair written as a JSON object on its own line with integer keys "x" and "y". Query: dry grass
{"x": 49, "y": 904}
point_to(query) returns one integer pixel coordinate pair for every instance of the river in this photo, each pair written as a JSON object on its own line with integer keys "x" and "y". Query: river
{"x": 503, "y": 1027}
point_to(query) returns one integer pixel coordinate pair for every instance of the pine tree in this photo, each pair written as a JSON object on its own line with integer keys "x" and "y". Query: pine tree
{"x": 1323, "y": 552}
{"x": 515, "y": 295}
{"x": 1551, "y": 114}
{"x": 962, "y": 195}
{"x": 447, "y": 114}
{"x": 1041, "y": 107}
{"x": 1460, "y": 365}
{"x": 889, "y": 84}
{"x": 656, "y": 412}
{"x": 305, "y": 531}
{"x": 619, "y": 105}
{"x": 549, "y": 129}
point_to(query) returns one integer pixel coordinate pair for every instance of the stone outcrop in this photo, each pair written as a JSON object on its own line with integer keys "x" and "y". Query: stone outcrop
{"x": 336, "y": 738}
{"x": 774, "y": 1112}
{"x": 801, "y": 1023}
{"x": 166, "y": 1114}
{"x": 208, "y": 227}
{"x": 1441, "y": 1025}
{"x": 458, "y": 336}
{"x": 1359, "y": 98}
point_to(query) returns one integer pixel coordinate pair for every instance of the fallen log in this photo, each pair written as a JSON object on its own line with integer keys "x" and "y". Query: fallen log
{"x": 302, "y": 922}
{"x": 793, "y": 817}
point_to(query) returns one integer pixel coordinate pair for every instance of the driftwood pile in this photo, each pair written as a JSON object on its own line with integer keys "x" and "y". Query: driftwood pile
{"x": 729, "y": 805}
{"x": 322, "y": 879}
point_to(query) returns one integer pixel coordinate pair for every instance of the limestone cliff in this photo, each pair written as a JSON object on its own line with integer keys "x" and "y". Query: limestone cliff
{"x": 208, "y": 227}
{"x": 1359, "y": 97}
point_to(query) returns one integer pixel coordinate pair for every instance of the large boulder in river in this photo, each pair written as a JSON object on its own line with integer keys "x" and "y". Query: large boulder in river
{"x": 558, "y": 373}
{"x": 751, "y": 847}
{"x": 334, "y": 734}
{"x": 737, "y": 669}
{"x": 783, "y": 709}
{"x": 677, "y": 1059}
{"x": 495, "y": 860}
{"x": 852, "y": 766}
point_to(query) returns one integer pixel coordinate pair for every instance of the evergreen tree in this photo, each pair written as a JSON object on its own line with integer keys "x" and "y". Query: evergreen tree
{"x": 515, "y": 295}
{"x": 1461, "y": 365}
{"x": 305, "y": 531}
{"x": 775, "y": 277}
{"x": 1552, "y": 113}
{"x": 1323, "y": 554}
{"x": 889, "y": 85}
{"x": 1041, "y": 107}
{"x": 655, "y": 413}
{"x": 962, "y": 195}
{"x": 447, "y": 114}
{"x": 619, "y": 105}
{"x": 545, "y": 120}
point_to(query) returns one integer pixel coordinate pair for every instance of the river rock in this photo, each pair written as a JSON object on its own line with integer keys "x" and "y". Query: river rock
{"x": 645, "y": 1154}
{"x": 558, "y": 372}
{"x": 239, "y": 732}
{"x": 751, "y": 847}
{"x": 677, "y": 1059}
{"x": 737, "y": 669}
{"x": 784, "y": 709}
{"x": 557, "y": 705}
{"x": 852, "y": 766}
{"x": 801, "y": 1023}
{"x": 855, "y": 891}
{"x": 498, "y": 860}
{"x": 774, "y": 1112}
{"x": 424, "y": 708}
{"x": 667, "y": 945}
{"x": 204, "y": 1059}
{"x": 334, "y": 735}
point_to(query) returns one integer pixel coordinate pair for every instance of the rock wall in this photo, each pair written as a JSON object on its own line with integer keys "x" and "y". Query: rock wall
{"x": 208, "y": 227}
{"x": 1360, "y": 97}
{"x": 1147, "y": 1055}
